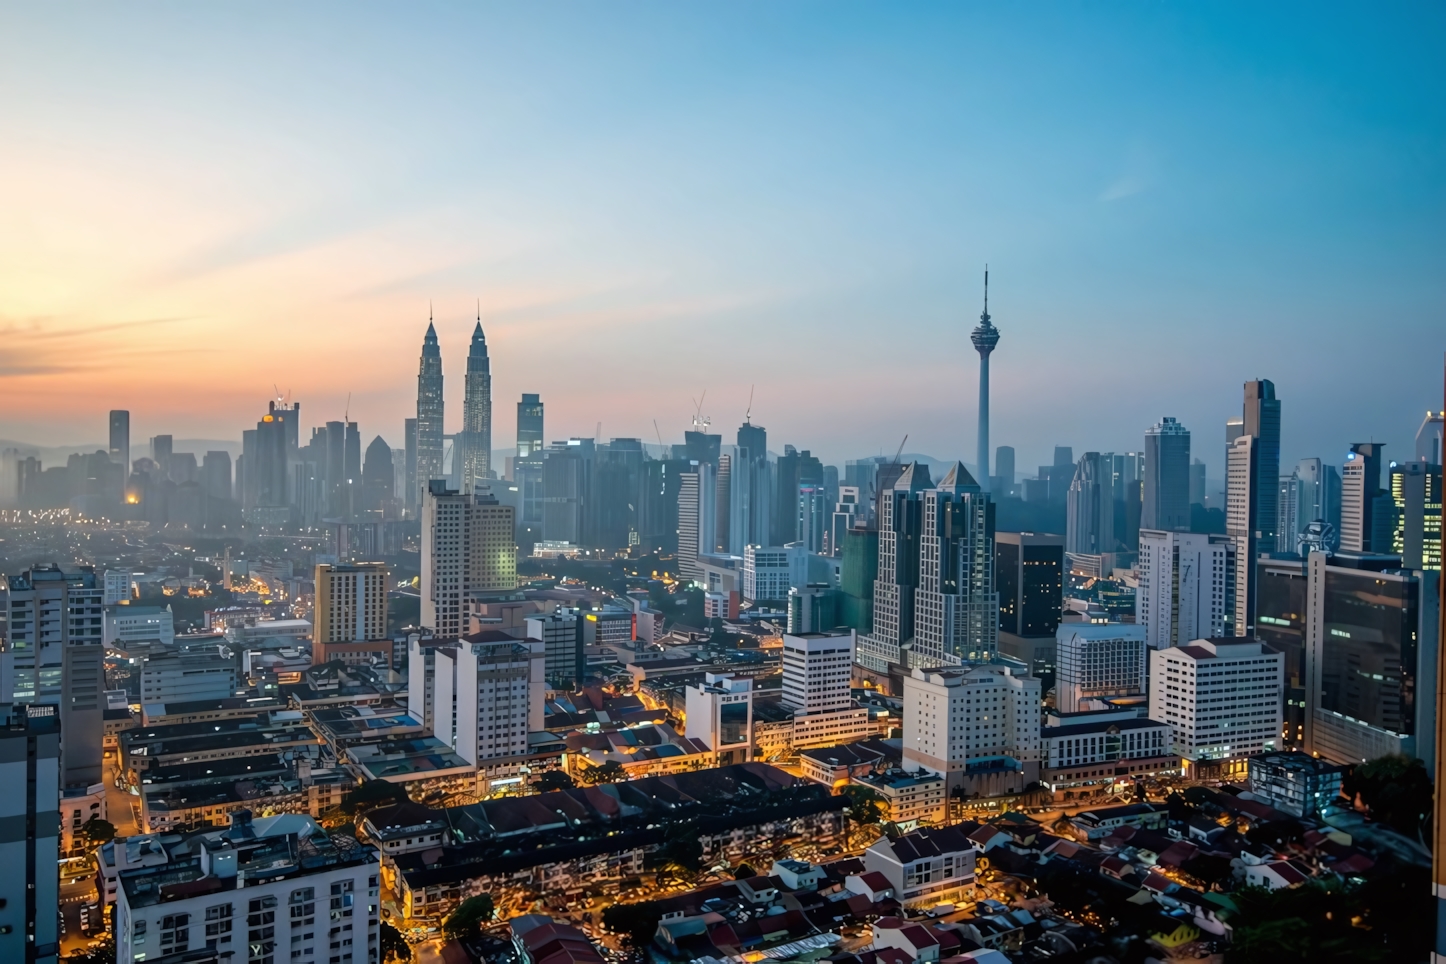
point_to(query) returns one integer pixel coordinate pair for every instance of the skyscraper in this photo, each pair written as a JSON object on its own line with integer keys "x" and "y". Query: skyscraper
{"x": 753, "y": 482}
{"x": 269, "y": 474}
{"x": 529, "y": 426}
{"x": 429, "y": 412}
{"x": 120, "y": 438}
{"x": 468, "y": 551}
{"x": 1318, "y": 491}
{"x": 53, "y": 654}
{"x": 1242, "y": 526}
{"x": 1187, "y": 587}
{"x": 900, "y": 520}
{"x": 985, "y": 337}
{"x": 1416, "y": 492}
{"x": 1167, "y": 477}
{"x": 1428, "y": 438}
{"x": 30, "y": 888}
{"x": 1262, "y": 420}
{"x": 411, "y": 498}
{"x": 1360, "y": 492}
{"x": 1090, "y": 508}
{"x": 476, "y": 437}
{"x": 351, "y": 607}
{"x": 956, "y": 608}
{"x": 1003, "y": 471}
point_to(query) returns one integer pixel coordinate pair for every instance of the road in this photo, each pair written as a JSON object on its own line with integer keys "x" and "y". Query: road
{"x": 122, "y": 807}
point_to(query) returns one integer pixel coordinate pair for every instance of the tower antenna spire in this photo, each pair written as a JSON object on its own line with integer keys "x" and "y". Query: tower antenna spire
{"x": 986, "y": 290}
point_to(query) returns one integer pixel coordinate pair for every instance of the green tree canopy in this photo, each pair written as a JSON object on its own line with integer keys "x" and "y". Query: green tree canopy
{"x": 96, "y": 831}
{"x": 554, "y": 780}
{"x": 636, "y": 922}
{"x": 1397, "y": 791}
{"x": 393, "y": 944}
{"x": 466, "y": 921}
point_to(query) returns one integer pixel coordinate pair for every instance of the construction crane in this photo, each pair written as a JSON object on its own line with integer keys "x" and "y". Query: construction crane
{"x": 900, "y": 451}
{"x": 748, "y": 414}
{"x": 662, "y": 449}
{"x": 700, "y": 421}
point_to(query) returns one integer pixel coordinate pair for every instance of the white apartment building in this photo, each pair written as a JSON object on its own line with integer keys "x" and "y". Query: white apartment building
{"x": 469, "y": 547}
{"x": 1100, "y": 750}
{"x": 127, "y": 626}
{"x": 720, "y": 713}
{"x": 817, "y": 675}
{"x": 118, "y": 583}
{"x": 975, "y": 725}
{"x": 1221, "y": 697}
{"x": 1187, "y": 587}
{"x": 489, "y": 694}
{"x": 1098, "y": 661}
{"x": 930, "y": 866}
{"x": 769, "y": 572}
{"x": 272, "y": 890}
{"x": 817, "y": 669}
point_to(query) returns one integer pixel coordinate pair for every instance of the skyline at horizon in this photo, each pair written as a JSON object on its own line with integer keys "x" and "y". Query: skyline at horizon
{"x": 822, "y": 192}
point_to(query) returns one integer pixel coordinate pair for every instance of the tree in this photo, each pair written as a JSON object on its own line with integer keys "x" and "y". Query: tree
{"x": 865, "y": 806}
{"x": 554, "y": 780}
{"x": 96, "y": 831}
{"x": 636, "y": 922}
{"x": 465, "y": 923}
{"x": 1397, "y": 791}
{"x": 682, "y": 849}
{"x": 744, "y": 871}
{"x": 393, "y": 944}
{"x": 371, "y": 795}
{"x": 1276, "y": 833}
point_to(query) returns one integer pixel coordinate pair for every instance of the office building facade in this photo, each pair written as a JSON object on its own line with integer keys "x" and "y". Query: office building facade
{"x": 30, "y": 834}
{"x": 900, "y": 508}
{"x": 817, "y": 668}
{"x": 475, "y": 442}
{"x": 1416, "y": 496}
{"x": 351, "y": 607}
{"x": 1187, "y": 587}
{"x": 468, "y": 552}
{"x": 976, "y": 726}
{"x": 1221, "y": 697}
{"x": 1363, "y": 501}
{"x": 1096, "y": 661}
{"x": 1166, "y": 491}
{"x": 430, "y": 409}
{"x": 54, "y": 654}
{"x": 956, "y": 609}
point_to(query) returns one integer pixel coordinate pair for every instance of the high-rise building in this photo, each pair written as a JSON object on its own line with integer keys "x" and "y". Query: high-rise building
{"x": 1280, "y": 616}
{"x": 216, "y": 474}
{"x": 1222, "y": 699}
{"x": 30, "y": 887}
{"x": 54, "y": 654}
{"x": 1003, "y": 471}
{"x": 1029, "y": 577}
{"x": 1099, "y": 661}
{"x": 161, "y": 447}
{"x": 769, "y": 572}
{"x": 1368, "y": 665}
{"x": 1242, "y": 526}
{"x": 217, "y": 905}
{"x": 1167, "y": 477}
{"x": 1187, "y": 587}
{"x": 498, "y": 697}
{"x": 1197, "y": 482}
{"x": 1318, "y": 489}
{"x": 817, "y": 668}
{"x": 985, "y": 338}
{"x": 956, "y": 609}
{"x": 1287, "y": 513}
{"x": 1428, "y": 438}
{"x": 900, "y": 529}
{"x": 429, "y": 413}
{"x": 476, "y": 438}
{"x": 1090, "y": 506}
{"x": 120, "y": 437}
{"x": 561, "y": 632}
{"x": 378, "y": 479}
{"x": 858, "y": 569}
{"x": 412, "y": 498}
{"x": 848, "y": 512}
{"x": 1416, "y": 492}
{"x": 567, "y": 490}
{"x": 275, "y": 435}
{"x": 751, "y": 515}
{"x": 351, "y": 607}
{"x": 723, "y": 506}
{"x": 1361, "y": 498}
{"x": 468, "y": 552}
{"x": 529, "y": 426}
{"x": 977, "y": 726}
{"x": 697, "y": 523}
{"x": 1262, "y": 422}
{"x": 813, "y": 517}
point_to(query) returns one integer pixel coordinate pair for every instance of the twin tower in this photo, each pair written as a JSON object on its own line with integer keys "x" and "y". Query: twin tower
{"x": 472, "y": 447}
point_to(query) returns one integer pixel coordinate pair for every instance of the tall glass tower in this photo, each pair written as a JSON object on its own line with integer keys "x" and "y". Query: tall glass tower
{"x": 429, "y": 412}
{"x": 477, "y": 413}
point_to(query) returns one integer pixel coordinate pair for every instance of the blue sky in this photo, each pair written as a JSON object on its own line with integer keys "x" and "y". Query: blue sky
{"x": 651, "y": 200}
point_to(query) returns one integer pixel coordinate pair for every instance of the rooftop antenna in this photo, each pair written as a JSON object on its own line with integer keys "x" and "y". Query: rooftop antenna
{"x": 747, "y": 414}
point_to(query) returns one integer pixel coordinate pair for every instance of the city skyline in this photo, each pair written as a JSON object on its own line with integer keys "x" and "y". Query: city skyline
{"x": 1182, "y": 209}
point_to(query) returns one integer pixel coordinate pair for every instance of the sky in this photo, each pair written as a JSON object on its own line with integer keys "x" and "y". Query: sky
{"x": 202, "y": 205}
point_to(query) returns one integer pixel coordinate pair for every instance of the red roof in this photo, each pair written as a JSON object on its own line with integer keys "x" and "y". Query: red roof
{"x": 1177, "y": 853}
{"x": 876, "y": 881}
{"x": 888, "y": 923}
{"x": 919, "y": 936}
{"x": 892, "y": 955}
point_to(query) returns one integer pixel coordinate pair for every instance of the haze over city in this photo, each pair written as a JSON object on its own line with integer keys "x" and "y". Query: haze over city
{"x": 653, "y": 202}
{"x": 722, "y": 483}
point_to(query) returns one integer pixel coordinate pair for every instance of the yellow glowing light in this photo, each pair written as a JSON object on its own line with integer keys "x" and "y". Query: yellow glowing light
{"x": 267, "y": 418}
